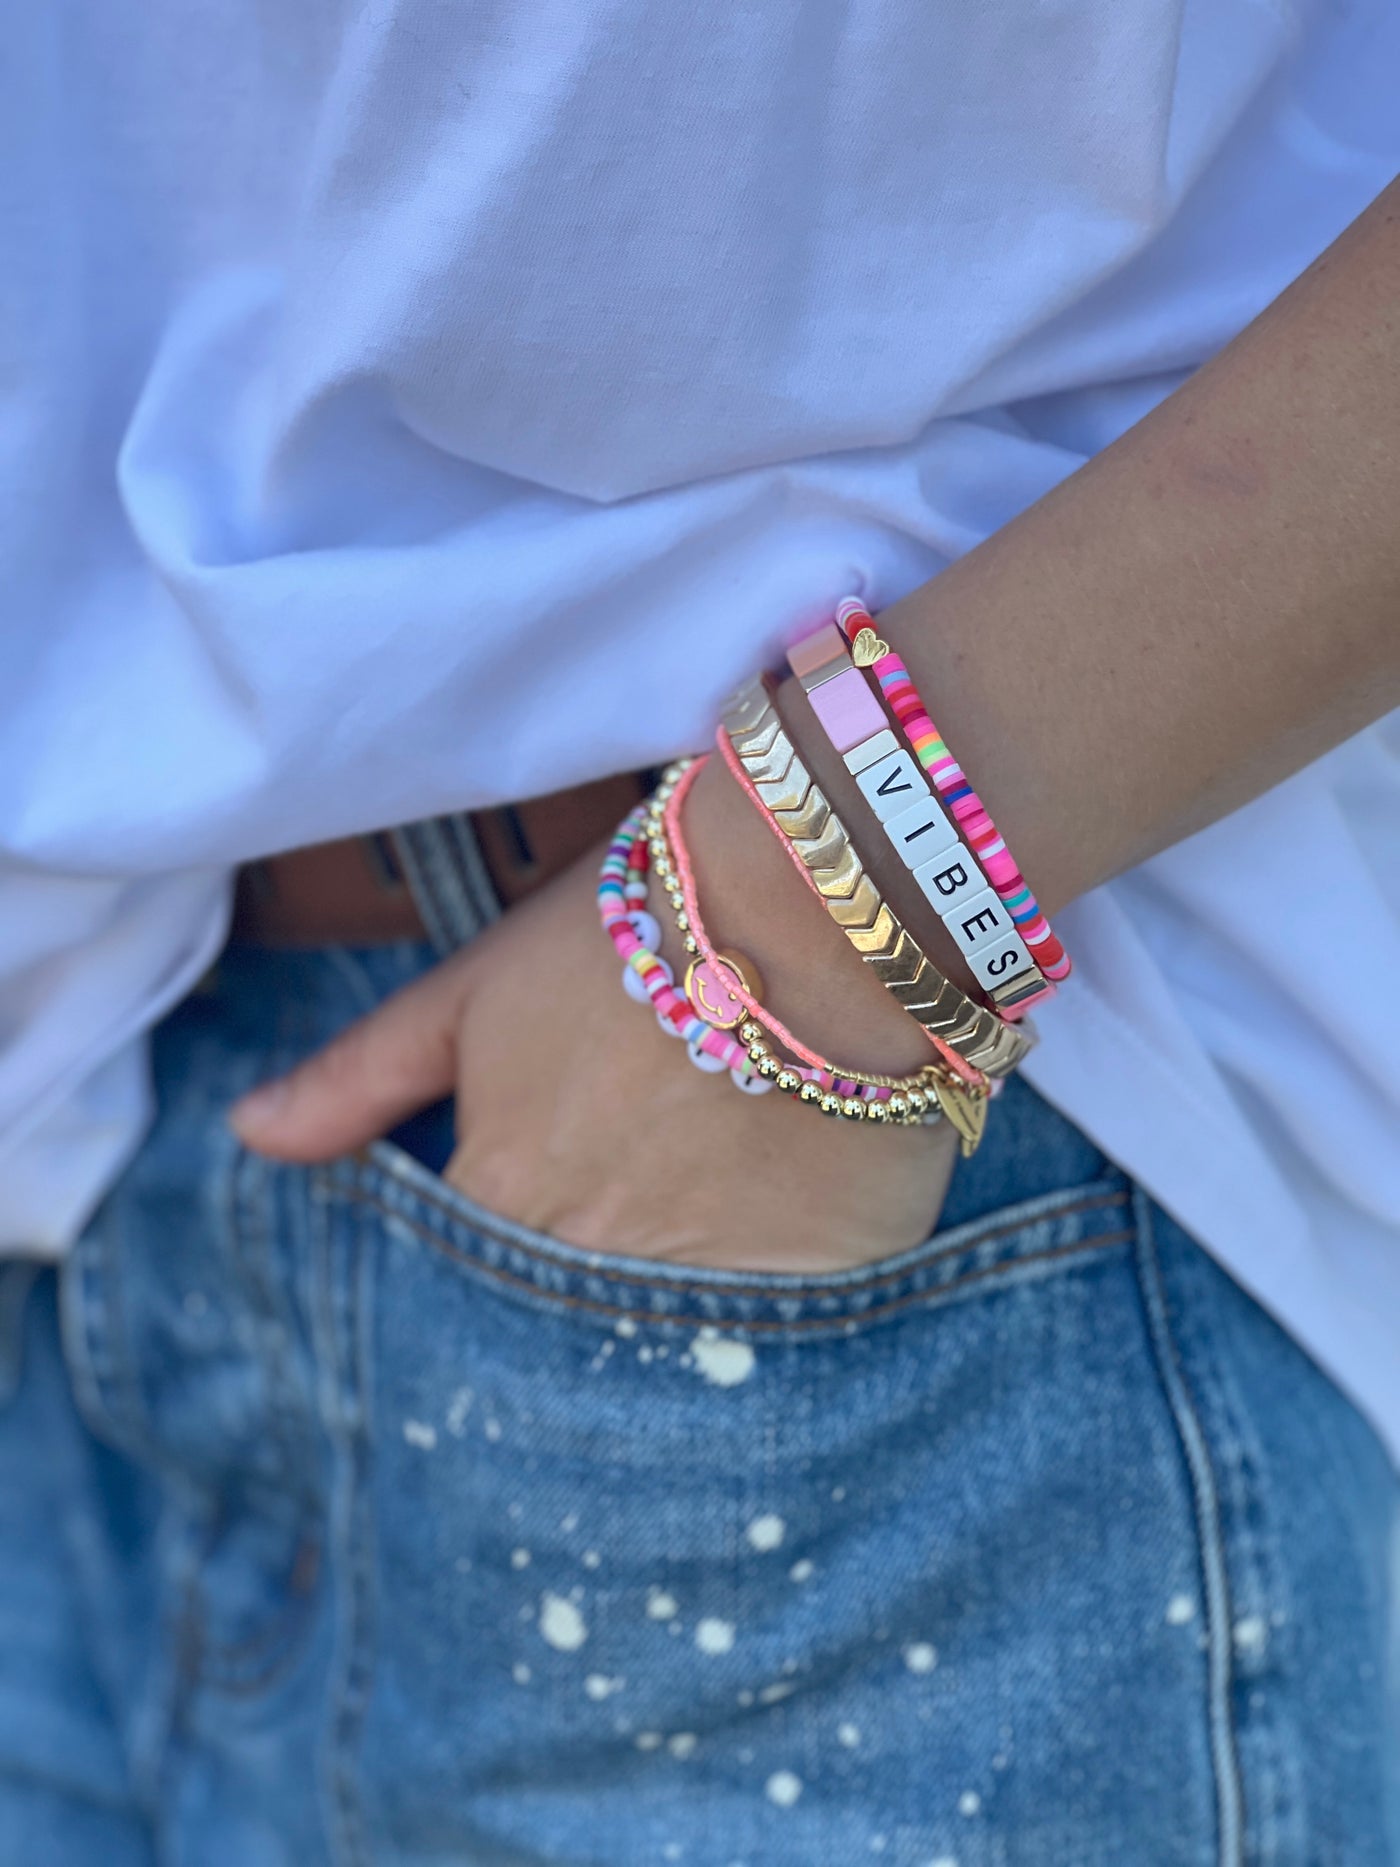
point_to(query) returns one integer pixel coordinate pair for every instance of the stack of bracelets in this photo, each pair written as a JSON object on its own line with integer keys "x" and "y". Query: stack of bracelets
{"x": 866, "y": 703}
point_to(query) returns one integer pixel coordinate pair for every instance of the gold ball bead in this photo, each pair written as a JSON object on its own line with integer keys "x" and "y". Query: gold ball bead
{"x": 768, "y": 1068}
{"x": 877, "y": 1111}
{"x": 853, "y": 1108}
{"x": 675, "y": 897}
{"x": 810, "y": 1092}
{"x": 788, "y": 1081}
{"x": 683, "y": 922}
{"x": 898, "y": 1106}
{"x": 918, "y": 1103}
{"x": 692, "y": 945}
{"x": 751, "y": 1031}
{"x": 757, "y": 1050}
{"x": 831, "y": 1103}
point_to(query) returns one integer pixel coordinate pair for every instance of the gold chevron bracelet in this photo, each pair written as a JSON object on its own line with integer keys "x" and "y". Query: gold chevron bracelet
{"x": 801, "y": 811}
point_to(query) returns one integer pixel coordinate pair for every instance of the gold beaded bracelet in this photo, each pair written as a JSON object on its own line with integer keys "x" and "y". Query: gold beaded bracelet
{"x": 914, "y": 1098}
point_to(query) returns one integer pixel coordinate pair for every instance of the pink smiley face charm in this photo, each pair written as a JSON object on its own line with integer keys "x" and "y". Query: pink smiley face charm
{"x": 713, "y": 987}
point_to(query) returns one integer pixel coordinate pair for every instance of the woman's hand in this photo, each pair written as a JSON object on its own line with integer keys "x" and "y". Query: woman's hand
{"x": 578, "y": 1116}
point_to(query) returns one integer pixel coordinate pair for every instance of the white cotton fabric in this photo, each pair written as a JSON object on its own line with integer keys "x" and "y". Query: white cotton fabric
{"x": 412, "y": 405}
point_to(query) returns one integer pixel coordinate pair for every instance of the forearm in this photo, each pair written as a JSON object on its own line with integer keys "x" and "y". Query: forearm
{"x": 1208, "y": 605}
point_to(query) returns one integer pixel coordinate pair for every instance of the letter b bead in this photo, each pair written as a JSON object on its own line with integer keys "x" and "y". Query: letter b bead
{"x": 951, "y": 878}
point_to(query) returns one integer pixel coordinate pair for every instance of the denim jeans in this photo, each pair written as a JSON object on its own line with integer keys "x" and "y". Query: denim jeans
{"x": 343, "y": 1522}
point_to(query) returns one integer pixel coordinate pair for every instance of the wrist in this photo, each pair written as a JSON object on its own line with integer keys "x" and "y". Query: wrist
{"x": 756, "y": 903}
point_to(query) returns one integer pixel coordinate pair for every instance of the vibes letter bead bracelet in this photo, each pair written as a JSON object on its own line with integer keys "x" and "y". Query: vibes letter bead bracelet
{"x": 993, "y": 866}
{"x": 923, "y": 835}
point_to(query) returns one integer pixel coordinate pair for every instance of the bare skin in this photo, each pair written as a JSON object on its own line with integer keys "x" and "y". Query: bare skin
{"x": 1207, "y": 606}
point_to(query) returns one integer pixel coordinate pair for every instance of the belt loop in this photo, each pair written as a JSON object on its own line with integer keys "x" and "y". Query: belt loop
{"x": 448, "y": 879}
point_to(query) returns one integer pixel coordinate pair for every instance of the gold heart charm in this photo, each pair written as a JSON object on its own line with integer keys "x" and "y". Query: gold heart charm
{"x": 967, "y": 1113}
{"x": 867, "y": 648}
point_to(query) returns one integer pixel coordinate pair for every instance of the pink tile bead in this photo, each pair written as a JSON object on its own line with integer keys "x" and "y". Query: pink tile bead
{"x": 847, "y": 709}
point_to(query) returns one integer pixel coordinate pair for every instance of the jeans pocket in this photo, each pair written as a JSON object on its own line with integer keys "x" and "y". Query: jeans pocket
{"x": 538, "y": 1269}
{"x": 755, "y": 1567}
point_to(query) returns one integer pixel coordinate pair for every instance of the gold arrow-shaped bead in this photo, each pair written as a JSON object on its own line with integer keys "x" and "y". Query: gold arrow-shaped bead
{"x": 755, "y": 743}
{"x": 822, "y": 844}
{"x": 806, "y": 820}
{"x": 747, "y": 707}
{"x": 874, "y": 941}
{"x": 839, "y": 881}
{"x": 902, "y": 965}
{"x": 788, "y": 792}
{"x": 856, "y": 912}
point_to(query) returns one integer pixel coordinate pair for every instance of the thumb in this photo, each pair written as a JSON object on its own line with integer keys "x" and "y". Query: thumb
{"x": 392, "y": 1063}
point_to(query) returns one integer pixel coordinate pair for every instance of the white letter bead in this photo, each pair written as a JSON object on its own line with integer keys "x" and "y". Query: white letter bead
{"x": 953, "y": 877}
{"x": 707, "y": 1065}
{"x": 977, "y": 920}
{"x": 878, "y": 745}
{"x": 647, "y": 929}
{"x": 921, "y": 831}
{"x": 999, "y": 959}
{"x": 635, "y": 986}
{"x": 892, "y": 784}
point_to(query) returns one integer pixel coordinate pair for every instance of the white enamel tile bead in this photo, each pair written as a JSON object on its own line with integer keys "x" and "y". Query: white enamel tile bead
{"x": 999, "y": 958}
{"x": 921, "y": 831}
{"x": 978, "y": 919}
{"x": 952, "y": 877}
{"x": 878, "y": 745}
{"x": 892, "y": 784}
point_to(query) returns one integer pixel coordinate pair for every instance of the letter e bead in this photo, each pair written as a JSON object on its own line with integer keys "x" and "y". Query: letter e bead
{"x": 973, "y": 922}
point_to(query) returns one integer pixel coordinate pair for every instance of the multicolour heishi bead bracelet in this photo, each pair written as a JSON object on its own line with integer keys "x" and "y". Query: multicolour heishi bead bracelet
{"x": 635, "y": 934}
{"x": 950, "y": 781}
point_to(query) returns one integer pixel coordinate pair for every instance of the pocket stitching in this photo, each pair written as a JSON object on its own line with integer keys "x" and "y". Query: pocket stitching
{"x": 755, "y": 1326}
{"x": 754, "y": 1286}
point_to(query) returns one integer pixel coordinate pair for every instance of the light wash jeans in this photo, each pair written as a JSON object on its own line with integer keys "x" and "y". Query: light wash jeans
{"x": 342, "y": 1522}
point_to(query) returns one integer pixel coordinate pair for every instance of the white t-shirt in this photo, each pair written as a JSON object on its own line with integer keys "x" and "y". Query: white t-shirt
{"x": 405, "y": 407}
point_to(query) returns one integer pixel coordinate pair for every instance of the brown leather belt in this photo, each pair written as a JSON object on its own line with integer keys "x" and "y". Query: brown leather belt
{"x": 354, "y": 892}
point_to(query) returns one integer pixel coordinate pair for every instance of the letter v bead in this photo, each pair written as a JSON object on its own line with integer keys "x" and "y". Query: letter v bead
{"x": 892, "y": 784}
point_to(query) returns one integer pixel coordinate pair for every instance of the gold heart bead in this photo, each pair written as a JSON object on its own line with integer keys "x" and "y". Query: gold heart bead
{"x": 966, "y": 1113}
{"x": 867, "y": 648}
